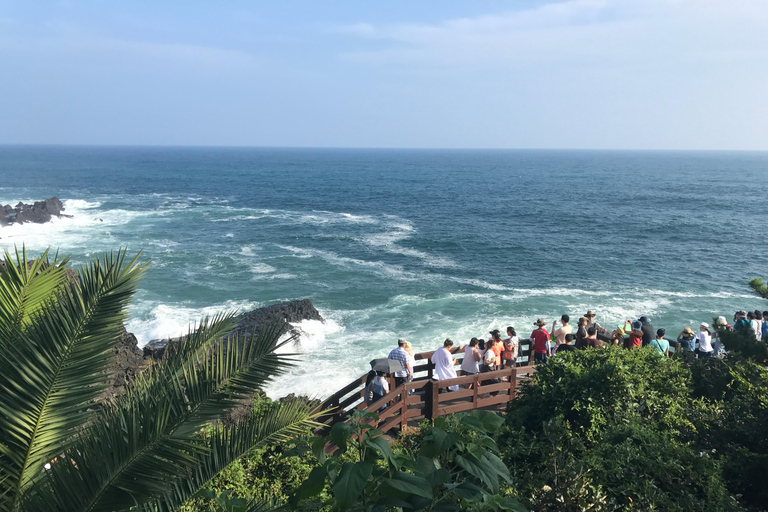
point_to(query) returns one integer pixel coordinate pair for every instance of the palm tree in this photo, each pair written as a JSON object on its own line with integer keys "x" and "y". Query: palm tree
{"x": 146, "y": 449}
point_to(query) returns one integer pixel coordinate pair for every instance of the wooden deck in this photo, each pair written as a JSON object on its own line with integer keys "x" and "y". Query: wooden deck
{"x": 407, "y": 405}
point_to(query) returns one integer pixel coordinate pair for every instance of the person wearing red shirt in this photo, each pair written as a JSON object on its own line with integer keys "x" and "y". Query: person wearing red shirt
{"x": 540, "y": 340}
{"x": 635, "y": 339}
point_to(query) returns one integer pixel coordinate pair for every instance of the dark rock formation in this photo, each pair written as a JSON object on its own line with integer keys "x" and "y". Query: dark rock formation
{"x": 39, "y": 213}
{"x": 284, "y": 314}
{"x": 130, "y": 360}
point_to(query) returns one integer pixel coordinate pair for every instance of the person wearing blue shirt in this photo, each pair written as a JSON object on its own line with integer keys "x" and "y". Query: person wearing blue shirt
{"x": 660, "y": 344}
{"x": 686, "y": 340}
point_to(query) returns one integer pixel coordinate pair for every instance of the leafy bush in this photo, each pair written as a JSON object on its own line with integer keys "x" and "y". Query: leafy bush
{"x": 744, "y": 344}
{"x": 445, "y": 470}
{"x": 611, "y": 430}
{"x": 733, "y": 427}
{"x": 263, "y": 475}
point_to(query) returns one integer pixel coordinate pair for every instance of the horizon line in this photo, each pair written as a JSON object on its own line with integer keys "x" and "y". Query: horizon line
{"x": 369, "y": 148}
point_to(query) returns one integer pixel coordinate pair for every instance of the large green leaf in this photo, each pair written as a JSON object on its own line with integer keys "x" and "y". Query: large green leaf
{"x": 351, "y": 481}
{"x": 410, "y": 484}
{"x": 49, "y": 378}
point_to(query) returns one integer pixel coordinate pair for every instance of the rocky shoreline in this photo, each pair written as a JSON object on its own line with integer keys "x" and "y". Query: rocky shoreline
{"x": 38, "y": 213}
{"x": 130, "y": 359}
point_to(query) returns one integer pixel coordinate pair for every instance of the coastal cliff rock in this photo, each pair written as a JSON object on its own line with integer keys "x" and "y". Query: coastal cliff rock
{"x": 38, "y": 213}
{"x": 130, "y": 360}
{"x": 286, "y": 313}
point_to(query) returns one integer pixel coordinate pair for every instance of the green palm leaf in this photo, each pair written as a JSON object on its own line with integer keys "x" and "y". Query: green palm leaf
{"x": 150, "y": 437}
{"x": 227, "y": 444}
{"x": 48, "y": 379}
{"x": 23, "y": 290}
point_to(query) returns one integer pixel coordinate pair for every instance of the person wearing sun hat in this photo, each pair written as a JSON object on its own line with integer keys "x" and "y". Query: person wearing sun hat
{"x": 686, "y": 340}
{"x": 540, "y": 339}
{"x": 602, "y": 332}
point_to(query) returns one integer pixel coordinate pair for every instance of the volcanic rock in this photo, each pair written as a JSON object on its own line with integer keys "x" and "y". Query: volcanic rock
{"x": 39, "y": 212}
{"x": 283, "y": 315}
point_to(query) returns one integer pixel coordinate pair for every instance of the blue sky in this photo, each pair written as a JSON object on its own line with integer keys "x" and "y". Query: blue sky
{"x": 613, "y": 74}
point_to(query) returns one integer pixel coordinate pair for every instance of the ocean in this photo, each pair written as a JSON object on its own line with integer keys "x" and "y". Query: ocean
{"x": 421, "y": 244}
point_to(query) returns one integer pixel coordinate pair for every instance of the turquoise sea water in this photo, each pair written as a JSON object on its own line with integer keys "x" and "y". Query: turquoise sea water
{"x": 422, "y": 244}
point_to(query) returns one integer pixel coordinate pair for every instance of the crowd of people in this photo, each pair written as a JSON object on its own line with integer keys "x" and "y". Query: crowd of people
{"x": 497, "y": 352}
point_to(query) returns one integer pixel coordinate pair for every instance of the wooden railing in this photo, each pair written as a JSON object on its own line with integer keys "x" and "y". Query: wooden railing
{"x": 425, "y": 397}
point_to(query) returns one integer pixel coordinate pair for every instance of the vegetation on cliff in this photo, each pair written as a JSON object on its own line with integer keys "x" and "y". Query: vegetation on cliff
{"x": 147, "y": 449}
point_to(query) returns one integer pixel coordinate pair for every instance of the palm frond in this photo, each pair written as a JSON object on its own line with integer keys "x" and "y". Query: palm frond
{"x": 24, "y": 287}
{"x": 227, "y": 444}
{"x": 150, "y": 436}
{"x": 49, "y": 378}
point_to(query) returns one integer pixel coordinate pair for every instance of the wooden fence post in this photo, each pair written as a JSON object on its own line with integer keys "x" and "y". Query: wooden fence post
{"x": 403, "y": 409}
{"x": 513, "y": 383}
{"x": 435, "y": 400}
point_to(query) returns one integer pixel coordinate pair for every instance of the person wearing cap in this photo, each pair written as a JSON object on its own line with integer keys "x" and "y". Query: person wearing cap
{"x": 649, "y": 333}
{"x": 635, "y": 339}
{"x": 686, "y": 340}
{"x": 540, "y": 340}
{"x": 401, "y": 355}
{"x": 704, "y": 338}
{"x": 659, "y": 343}
{"x": 444, "y": 363}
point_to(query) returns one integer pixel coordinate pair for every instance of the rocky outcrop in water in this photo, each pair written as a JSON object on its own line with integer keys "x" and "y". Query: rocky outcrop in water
{"x": 130, "y": 359}
{"x": 285, "y": 315}
{"x": 38, "y": 213}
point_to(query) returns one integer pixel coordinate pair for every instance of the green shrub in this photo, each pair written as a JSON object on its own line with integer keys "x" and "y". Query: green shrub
{"x": 612, "y": 430}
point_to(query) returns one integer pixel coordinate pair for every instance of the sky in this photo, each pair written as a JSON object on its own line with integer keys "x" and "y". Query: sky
{"x": 587, "y": 74}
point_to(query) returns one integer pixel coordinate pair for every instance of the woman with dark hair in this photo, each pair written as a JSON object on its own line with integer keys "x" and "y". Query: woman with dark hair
{"x": 581, "y": 332}
{"x": 509, "y": 354}
{"x": 472, "y": 356}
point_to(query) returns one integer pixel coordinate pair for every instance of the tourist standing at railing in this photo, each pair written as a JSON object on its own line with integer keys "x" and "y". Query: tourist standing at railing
{"x": 563, "y": 331}
{"x": 411, "y": 359}
{"x": 469, "y": 366}
{"x": 649, "y": 333}
{"x": 635, "y": 339}
{"x": 399, "y": 354}
{"x": 444, "y": 363}
{"x": 704, "y": 338}
{"x": 581, "y": 332}
{"x": 509, "y": 354}
{"x": 540, "y": 340}
{"x": 498, "y": 346}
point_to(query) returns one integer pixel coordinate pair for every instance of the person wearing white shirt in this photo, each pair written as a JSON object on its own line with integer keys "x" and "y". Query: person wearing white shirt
{"x": 471, "y": 357}
{"x": 704, "y": 338}
{"x": 444, "y": 364}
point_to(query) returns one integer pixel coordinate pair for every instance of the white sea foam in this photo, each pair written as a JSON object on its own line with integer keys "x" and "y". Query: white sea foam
{"x": 378, "y": 267}
{"x": 262, "y": 268}
{"x": 158, "y": 321}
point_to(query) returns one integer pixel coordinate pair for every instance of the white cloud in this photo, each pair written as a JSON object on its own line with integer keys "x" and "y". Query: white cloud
{"x": 577, "y": 31}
